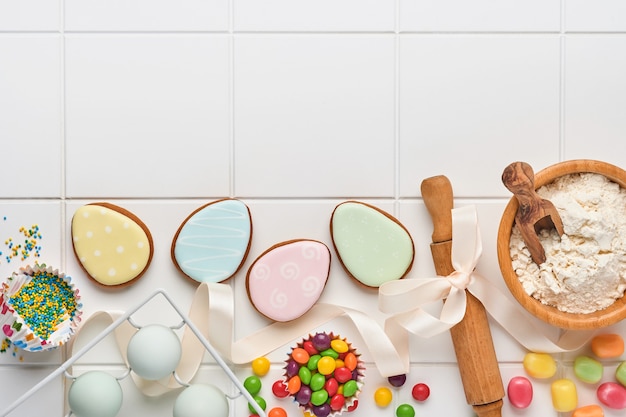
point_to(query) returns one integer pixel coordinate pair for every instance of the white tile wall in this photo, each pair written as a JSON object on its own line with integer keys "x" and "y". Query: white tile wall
{"x": 293, "y": 106}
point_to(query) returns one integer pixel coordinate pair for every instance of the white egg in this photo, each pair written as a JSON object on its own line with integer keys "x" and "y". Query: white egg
{"x": 201, "y": 400}
{"x": 154, "y": 352}
{"x": 95, "y": 394}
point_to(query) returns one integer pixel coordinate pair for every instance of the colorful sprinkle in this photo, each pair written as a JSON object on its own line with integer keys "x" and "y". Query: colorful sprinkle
{"x": 44, "y": 302}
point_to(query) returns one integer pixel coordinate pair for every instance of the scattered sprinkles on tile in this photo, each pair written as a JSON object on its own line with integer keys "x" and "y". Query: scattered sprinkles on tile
{"x": 24, "y": 249}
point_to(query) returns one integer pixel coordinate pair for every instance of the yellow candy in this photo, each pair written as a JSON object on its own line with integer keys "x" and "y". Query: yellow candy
{"x": 326, "y": 365}
{"x": 339, "y": 363}
{"x": 261, "y": 366}
{"x": 383, "y": 396}
{"x": 539, "y": 365}
{"x": 564, "y": 396}
{"x": 339, "y": 345}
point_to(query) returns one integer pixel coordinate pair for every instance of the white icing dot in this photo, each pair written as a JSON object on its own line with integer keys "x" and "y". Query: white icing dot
{"x": 89, "y": 234}
{"x": 75, "y": 238}
{"x": 112, "y": 272}
{"x": 140, "y": 245}
{"x": 107, "y": 229}
{"x": 125, "y": 225}
{"x": 97, "y": 253}
{"x": 133, "y": 266}
{"x": 103, "y": 211}
{"x": 120, "y": 249}
{"x": 82, "y": 259}
{"x": 85, "y": 214}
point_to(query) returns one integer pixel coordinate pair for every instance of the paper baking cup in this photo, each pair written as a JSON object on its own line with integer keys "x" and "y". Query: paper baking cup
{"x": 360, "y": 368}
{"x": 14, "y": 327}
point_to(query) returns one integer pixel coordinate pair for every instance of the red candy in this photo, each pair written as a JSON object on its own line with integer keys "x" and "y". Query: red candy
{"x": 520, "y": 392}
{"x": 420, "y": 392}
{"x": 308, "y": 346}
{"x": 354, "y": 405}
{"x": 331, "y": 386}
{"x": 337, "y": 402}
{"x": 343, "y": 374}
{"x": 612, "y": 394}
{"x": 279, "y": 389}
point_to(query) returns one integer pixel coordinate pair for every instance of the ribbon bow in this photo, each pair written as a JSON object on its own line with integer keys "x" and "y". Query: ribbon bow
{"x": 406, "y": 299}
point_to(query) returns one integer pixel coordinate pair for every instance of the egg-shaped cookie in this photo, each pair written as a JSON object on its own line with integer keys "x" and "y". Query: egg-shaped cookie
{"x": 112, "y": 245}
{"x": 213, "y": 242}
{"x": 286, "y": 280}
{"x": 372, "y": 246}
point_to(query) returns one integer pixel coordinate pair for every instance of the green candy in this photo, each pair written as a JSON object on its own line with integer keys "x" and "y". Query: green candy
{"x": 350, "y": 388}
{"x": 588, "y": 369}
{"x": 620, "y": 373}
{"x": 312, "y": 363}
{"x": 260, "y": 401}
{"x": 317, "y": 382}
{"x": 319, "y": 397}
{"x": 330, "y": 352}
{"x": 405, "y": 410}
{"x": 252, "y": 384}
{"x": 305, "y": 375}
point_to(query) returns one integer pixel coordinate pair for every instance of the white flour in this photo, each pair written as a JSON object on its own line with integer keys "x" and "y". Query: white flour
{"x": 585, "y": 270}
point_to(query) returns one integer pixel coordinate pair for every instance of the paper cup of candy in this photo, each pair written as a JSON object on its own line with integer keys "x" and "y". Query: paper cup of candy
{"x": 581, "y": 286}
{"x": 39, "y": 308}
{"x": 324, "y": 375}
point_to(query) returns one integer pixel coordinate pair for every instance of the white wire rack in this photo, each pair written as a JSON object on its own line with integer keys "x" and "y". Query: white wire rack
{"x": 127, "y": 316}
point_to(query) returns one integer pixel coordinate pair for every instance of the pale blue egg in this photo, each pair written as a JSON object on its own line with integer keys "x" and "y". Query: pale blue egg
{"x": 154, "y": 352}
{"x": 201, "y": 400}
{"x": 95, "y": 394}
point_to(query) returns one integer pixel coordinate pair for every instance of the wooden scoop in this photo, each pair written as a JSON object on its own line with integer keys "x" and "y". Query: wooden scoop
{"x": 534, "y": 213}
{"x": 471, "y": 337}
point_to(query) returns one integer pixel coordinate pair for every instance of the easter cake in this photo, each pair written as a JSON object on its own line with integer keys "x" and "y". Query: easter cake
{"x": 286, "y": 280}
{"x": 113, "y": 246}
{"x": 213, "y": 242}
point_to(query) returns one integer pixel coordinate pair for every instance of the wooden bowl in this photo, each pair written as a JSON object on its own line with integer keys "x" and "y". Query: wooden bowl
{"x": 598, "y": 319}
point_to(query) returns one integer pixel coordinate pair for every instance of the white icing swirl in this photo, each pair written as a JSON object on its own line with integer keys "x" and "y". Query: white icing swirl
{"x": 289, "y": 271}
{"x": 278, "y": 299}
{"x": 310, "y": 286}
{"x": 311, "y": 251}
{"x": 261, "y": 272}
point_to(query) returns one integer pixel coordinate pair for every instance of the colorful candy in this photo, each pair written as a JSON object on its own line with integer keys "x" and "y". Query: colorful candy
{"x": 564, "y": 395}
{"x": 539, "y": 365}
{"x": 252, "y": 384}
{"x": 420, "y": 392}
{"x": 322, "y": 373}
{"x": 607, "y": 346}
{"x": 279, "y": 389}
{"x": 520, "y": 392}
{"x": 405, "y": 410}
{"x": 612, "y": 395}
{"x": 620, "y": 373}
{"x": 592, "y": 410}
{"x": 277, "y": 412}
{"x": 397, "y": 380}
{"x": 261, "y": 366}
{"x": 260, "y": 401}
{"x": 588, "y": 369}
{"x": 383, "y": 397}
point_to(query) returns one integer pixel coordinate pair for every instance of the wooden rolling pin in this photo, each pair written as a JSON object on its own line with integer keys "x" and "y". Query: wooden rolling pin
{"x": 471, "y": 337}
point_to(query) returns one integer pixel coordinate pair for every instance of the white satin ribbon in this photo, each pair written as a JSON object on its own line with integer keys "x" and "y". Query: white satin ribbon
{"x": 404, "y": 299}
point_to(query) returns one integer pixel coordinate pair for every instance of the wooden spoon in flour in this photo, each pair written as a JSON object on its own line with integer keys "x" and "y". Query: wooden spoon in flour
{"x": 534, "y": 213}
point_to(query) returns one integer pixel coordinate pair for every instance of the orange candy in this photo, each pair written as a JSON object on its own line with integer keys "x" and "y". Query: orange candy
{"x": 277, "y": 412}
{"x": 294, "y": 384}
{"x": 589, "y": 411}
{"x": 350, "y": 361}
{"x": 300, "y": 355}
{"x": 607, "y": 345}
